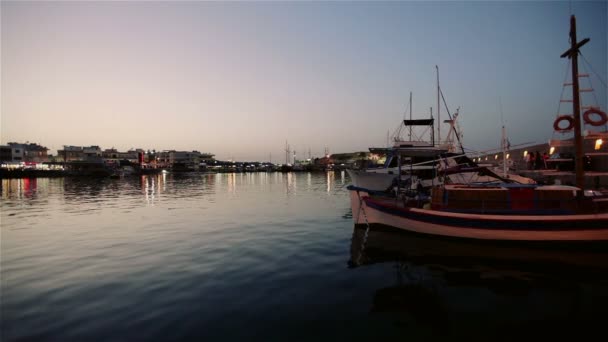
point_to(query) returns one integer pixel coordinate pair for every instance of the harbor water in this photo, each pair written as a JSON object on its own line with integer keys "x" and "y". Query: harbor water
{"x": 251, "y": 256}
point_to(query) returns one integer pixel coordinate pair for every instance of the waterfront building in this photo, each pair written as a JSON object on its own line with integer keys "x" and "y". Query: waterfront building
{"x": 132, "y": 156}
{"x": 76, "y": 153}
{"x": 183, "y": 160}
{"x": 28, "y": 152}
{"x": 596, "y": 155}
{"x": 6, "y": 153}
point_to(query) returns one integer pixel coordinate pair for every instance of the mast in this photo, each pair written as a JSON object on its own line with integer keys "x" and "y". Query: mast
{"x": 388, "y": 144}
{"x": 432, "y": 129}
{"x": 438, "y": 108}
{"x": 578, "y": 139}
{"x": 410, "y": 115}
{"x": 287, "y": 152}
{"x": 504, "y": 151}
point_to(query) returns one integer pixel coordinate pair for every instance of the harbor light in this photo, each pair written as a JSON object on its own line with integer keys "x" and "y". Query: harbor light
{"x": 508, "y": 155}
{"x": 496, "y": 156}
{"x": 525, "y": 153}
{"x": 598, "y": 144}
{"x": 552, "y": 149}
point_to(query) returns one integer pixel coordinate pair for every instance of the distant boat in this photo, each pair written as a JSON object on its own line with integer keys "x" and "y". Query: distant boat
{"x": 145, "y": 169}
{"x": 423, "y": 163}
{"x": 422, "y": 159}
{"x": 518, "y": 213}
{"x": 416, "y": 159}
{"x": 88, "y": 168}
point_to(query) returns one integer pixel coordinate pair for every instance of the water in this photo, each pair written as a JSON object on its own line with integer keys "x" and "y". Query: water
{"x": 261, "y": 256}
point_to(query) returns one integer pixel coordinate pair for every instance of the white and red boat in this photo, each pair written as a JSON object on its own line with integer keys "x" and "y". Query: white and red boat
{"x": 515, "y": 213}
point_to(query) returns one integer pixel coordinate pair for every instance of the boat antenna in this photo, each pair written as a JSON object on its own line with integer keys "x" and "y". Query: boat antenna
{"x": 572, "y": 53}
{"x": 502, "y": 119}
{"x": 503, "y": 143}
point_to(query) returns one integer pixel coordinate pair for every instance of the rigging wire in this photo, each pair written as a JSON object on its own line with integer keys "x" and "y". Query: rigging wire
{"x": 592, "y": 70}
{"x": 397, "y": 132}
{"x": 561, "y": 96}
{"x": 591, "y": 86}
{"x": 450, "y": 116}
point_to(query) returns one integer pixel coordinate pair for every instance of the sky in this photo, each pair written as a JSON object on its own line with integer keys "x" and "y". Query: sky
{"x": 239, "y": 79}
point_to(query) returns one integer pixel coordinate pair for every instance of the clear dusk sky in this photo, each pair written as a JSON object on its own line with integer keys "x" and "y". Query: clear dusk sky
{"x": 238, "y": 79}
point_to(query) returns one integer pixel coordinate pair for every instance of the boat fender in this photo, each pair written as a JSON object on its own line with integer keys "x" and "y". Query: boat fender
{"x": 603, "y": 118}
{"x": 560, "y": 118}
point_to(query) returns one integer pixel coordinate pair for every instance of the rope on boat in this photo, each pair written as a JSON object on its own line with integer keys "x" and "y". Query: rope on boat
{"x": 358, "y": 262}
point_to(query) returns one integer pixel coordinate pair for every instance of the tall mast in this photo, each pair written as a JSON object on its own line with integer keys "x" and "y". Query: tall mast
{"x": 504, "y": 151}
{"x": 438, "y": 108}
{"x": 388, "y": 144}
{"x": 578, "y": 139}
{"x": 410, "y": 115}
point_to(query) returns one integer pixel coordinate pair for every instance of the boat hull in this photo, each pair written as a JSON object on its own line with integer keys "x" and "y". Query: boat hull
{"x": 383, "y": 244}
{"x": 371, "y": 180}
{"x": 372, "y": 210}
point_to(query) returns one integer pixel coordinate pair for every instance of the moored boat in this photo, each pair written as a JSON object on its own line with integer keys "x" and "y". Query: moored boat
{"x": 548, "y": 214}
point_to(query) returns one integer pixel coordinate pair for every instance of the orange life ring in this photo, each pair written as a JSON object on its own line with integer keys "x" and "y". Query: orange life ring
{"x": 603, "y": 118}
{"x": 559, "y": 119}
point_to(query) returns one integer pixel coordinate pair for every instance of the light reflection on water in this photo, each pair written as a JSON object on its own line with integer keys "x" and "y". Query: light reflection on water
{"x": 232, "y": 257}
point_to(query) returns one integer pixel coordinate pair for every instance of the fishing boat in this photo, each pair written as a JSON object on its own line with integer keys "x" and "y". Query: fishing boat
{"x": 419, "y": 161}
{"x": 420, "y": 158}
{"x": 423, "y": 153}
{"x": 495, "y": 211}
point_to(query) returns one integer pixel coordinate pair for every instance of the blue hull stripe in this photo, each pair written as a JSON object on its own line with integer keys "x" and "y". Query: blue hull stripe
{"x": 486, "y": 223}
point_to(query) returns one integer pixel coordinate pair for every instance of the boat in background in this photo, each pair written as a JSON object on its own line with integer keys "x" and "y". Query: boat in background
{"x": 421, "y": 161}
{"x": 424, "y": 164}
{"x": 91, "y": 167}
{"x": 505, "y": 212}
{"x": 419, "y": 166}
